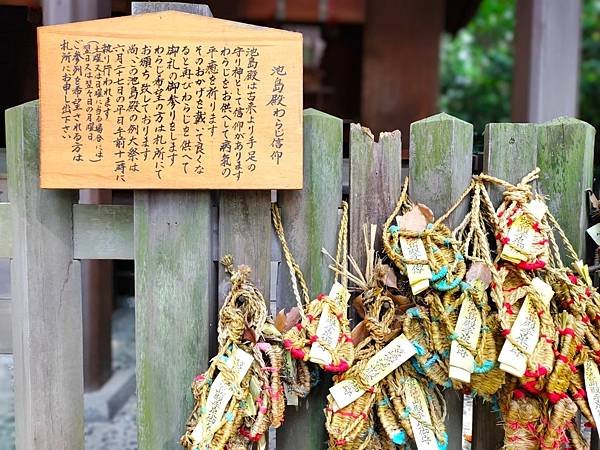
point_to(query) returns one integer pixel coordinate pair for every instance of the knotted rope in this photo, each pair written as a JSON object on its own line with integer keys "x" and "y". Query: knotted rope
{"x": 301, "y": 338}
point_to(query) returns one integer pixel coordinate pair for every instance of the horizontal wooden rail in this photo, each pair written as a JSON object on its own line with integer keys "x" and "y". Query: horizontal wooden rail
{"x": 99, "y": 231}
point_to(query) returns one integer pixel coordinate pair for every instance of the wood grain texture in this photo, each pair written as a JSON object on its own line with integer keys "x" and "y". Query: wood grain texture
{"x": 173, "y": 273}
{"x": 375, "y": 184}
{"x": 310, "y": 220}
{"x": 440, "y": 163}
{"x": 103, "y": 231}
{"x": 5, "y": 231}
{"x": 440, "y": 168}
{"x": 245, "y": 234}
{"x": 149, "y": 7}
{"x": 175, "y": 292}
{"x": 46, "y": 291}
{"x": 566, "y": 160}
{"x": 180, "y": 110}
{"x": 510, "y": 153}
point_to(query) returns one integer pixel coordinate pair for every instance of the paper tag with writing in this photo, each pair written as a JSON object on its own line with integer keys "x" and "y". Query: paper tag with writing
{"x": 328, "y": 328}
{"x": 525, "y": 330}
{"x": 379, "y": 366}
{"x": 521, "y": 233}
{"x": 594, "y": 233}
{"x": 419, "y": 415}
{"x": 592, "y": 388}
{"x": 418, "y": 274}
{"x": 219, "y": 395}
{"x": 339, "y": 293}
{"x": 467, "y": 328}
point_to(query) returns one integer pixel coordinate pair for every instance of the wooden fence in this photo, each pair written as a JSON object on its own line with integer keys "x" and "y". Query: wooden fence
{"x": 176, "y": 238}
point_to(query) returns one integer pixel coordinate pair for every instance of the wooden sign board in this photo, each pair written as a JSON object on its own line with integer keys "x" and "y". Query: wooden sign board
{"x": 170, "y": 100}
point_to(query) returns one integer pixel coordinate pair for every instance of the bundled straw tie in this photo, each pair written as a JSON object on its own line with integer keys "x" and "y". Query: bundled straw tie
{"x": 443, "y": 258}
{"x": 241, "y": 394}
{"x": 302, "y": 339}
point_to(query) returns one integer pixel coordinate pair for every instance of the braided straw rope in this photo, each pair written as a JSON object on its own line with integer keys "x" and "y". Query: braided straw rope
{"x": 244, "y": 311}
{"x": 443, "y": 257}
{"x": 299, "y": 339}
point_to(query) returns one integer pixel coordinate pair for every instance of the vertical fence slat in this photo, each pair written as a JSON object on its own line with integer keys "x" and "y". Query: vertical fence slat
{"x": 375, "y": 184}
{"x": 310, "y": 218}
{"x": 510, "y": 152}
{"x": 46, "y": 291}
{"x": 245, "y": 234}
{"x": 440, "y": 165}
{"x": 175, "y": 292}
{"x": 566, "y": 160}
{"x": 174, "y": 279}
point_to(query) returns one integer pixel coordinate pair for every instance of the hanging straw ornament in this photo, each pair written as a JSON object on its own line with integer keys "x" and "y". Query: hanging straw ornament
{"x": 307, "y": 340}
{"x": 415, "y": 252}
{"x": 431, "y": 257}
{"x": 553, "y": 381}
{"x": 381, "y": 416}
{"x": 468, "y": 318}
{"x": 240, "y": 395}
{"x": 522, "y": 235}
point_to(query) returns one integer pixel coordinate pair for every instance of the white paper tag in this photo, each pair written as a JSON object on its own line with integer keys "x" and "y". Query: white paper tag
{"x": 328, "y": 328}
{"x": 379, "y": 366}
{"x": 339, "y": 293}
{"x": 418, "y": 274}
{"x": 594, "y": 233}
{"x": 592, "y": 388}
{"x": 419, "y": 415}
{"x": 525, "y": 330}
{"x": 219, "y": 395}
{"x": 467, "y": 328}
{"x": 521, "y": 234}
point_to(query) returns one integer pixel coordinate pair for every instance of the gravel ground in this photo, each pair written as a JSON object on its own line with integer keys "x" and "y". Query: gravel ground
{"x": 117, "y": 434}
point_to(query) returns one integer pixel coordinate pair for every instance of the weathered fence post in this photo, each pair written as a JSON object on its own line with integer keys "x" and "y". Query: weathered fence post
{"x": 440, "y": 168}
{"x": 245, "y": 233}
{"x": 174, "y": 275}
{"x": 375, "y": 184}
{"x": 46, "y": 292}
{"x": 510, "y": 153}
{"x": 566, "y": 159}
{"x": 310, "y": 218}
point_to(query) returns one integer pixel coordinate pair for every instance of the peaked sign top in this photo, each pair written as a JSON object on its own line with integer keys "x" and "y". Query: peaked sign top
{"x": 170, "y": 100}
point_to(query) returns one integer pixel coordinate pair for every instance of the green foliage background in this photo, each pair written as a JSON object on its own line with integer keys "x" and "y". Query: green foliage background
{"x": 477, "y": 65}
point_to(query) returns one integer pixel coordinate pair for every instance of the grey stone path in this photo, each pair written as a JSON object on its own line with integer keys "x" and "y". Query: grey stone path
{"x": 117, "y": 434}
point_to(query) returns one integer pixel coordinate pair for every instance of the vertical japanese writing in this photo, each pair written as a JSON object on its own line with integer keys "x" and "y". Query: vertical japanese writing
{"x": 120, "y": 134}
{"x": 279, "y": 111}
{"x": 166, "y": 109}
{"x": 66, "y": 111}
{"x": 238, "y": 111}
{"x": 199, "y": 113}
{"x": 186, "y": 109}
{"x": 159, "y": 103}
{"x": 133, "y": 111}
{"x": 76, "y": 76}
{"x": 225, "y": 113}
{"x": 252, "y": 81}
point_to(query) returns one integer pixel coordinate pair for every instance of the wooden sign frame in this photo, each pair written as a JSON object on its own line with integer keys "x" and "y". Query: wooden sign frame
{"x": 170, "y": 100}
